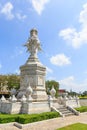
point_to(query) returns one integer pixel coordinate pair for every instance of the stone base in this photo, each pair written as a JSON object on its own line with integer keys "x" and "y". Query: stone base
{"x": 35, "y": 107}
{"x": 39, "y": 94}
{"x": 10, "y": 108}
{"x": 24, "y": 107}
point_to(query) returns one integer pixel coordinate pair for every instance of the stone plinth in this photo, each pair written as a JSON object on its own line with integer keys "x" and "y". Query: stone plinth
{"x": 35, "y": 75}
{"x": 35, "y": 107}
{"x": 10, "y": 108}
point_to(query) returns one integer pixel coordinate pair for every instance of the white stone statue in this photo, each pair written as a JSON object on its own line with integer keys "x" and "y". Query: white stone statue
{"x": 29, "y": 92}
{"x": 4, "y": 88}
{"x": 13, "y": 91}
{"x": 33, "y": 44}
{"x": 3, "y": 98}
{"x": 53, "y": 92}
{"x": 13, "y": 98}
{"x": 23, "y": 99}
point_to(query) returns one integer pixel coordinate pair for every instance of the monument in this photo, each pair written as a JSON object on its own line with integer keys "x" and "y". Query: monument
{"x": 33, "y": 72}
{"x": 32, "y": 97}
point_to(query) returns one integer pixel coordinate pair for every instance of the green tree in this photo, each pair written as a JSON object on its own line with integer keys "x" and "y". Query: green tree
{"x": 84, "y": 93}
{"x": 49, "y": 85}
{"x": 13, "y": 80}
{"x": 72, "y": 93}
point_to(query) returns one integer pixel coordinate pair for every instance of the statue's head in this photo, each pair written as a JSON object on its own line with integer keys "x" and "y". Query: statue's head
{"x": 33, "y": 32}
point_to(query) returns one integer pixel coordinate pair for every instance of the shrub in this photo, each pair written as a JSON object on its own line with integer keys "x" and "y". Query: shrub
{"x": 6, "y": 118}
{"x": 25, "y": 118}
{"x": 37, "y": 117}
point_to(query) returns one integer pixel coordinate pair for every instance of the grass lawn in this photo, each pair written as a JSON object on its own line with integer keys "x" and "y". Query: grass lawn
{"x": 83, "y": 97}
{"x": 82, "y": 109}
{"x": 77, "y": 126}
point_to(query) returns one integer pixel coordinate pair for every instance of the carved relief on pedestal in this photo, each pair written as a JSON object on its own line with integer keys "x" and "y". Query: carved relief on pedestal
{"x": 31, "y": 81}
{"x": 26, "y": 80}
{"x": 40, "y": 80}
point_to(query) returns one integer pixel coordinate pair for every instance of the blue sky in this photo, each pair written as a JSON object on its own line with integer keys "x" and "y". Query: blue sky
{"x": 62, "y": 30}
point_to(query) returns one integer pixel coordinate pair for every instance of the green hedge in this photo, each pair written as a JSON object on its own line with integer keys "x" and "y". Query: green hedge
{"x": 25, "y": 118}
{"x": 82, "y": 109}
{"x": 6, "y": 118}
{"x": 37, "y": 117}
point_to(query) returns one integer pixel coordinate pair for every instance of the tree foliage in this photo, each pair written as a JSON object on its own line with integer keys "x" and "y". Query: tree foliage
{"x": 49, "y": 85}
{"x": 84, "y": 93}
{"x": 72, "y": 93}
{"x": 13, "y": 80}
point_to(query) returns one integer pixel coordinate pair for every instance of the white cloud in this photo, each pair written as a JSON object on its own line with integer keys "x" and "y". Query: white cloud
{"x": 72, "y": 35}
{"x": 39, "y": 5}
{"x": 67, "y": 81}
{"x": 70, "y": 83}
{"x": 83, "y": 15}
{"x": 20, "y": 16}
{"x": 60, "y": 60}
{"x": 7, "y": 11}
{"x": 49, "y": 70}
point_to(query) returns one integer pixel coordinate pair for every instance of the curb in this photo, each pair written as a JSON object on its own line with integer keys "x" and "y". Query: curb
{"x": 21, "y": 126}
{"x": 18, "y": 125}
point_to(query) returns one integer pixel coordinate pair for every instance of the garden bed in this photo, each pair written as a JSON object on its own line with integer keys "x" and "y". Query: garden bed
{"x": 27, "y": 118}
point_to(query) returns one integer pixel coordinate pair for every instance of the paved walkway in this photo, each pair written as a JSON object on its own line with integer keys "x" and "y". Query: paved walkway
{"x": 51, "y": 124}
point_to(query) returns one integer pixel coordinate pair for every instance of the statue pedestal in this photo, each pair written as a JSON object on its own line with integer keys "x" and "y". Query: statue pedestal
{"x": 33, "y": 73}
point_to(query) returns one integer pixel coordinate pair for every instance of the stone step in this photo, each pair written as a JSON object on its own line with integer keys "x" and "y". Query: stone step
{"x": 68, "y": 114}
{"x": 65, "y": 111}
{"x": 62, "y": 109}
